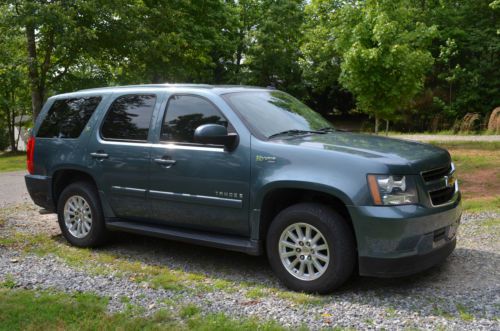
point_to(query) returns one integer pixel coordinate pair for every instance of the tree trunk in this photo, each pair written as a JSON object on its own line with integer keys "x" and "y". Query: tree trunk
{"x": 36, "y": 91}
{"x": 11, "y": 127}
{"x": 386, "y": 127}
{"x": 376, "y": 124}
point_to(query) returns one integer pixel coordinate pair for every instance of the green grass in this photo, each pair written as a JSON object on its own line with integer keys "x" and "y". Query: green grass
{"x": 465, "y": 162}
{"x": 464, "y": 314}
{"x": 12, "y": 161}
{"x": 299, "y": 298}
{"x": 44, "y": 310}
{"x": 482, "y": 204}
{"x": 481, "y": 145}
{"x": 101, "y": 262}
{"x": 256, "y": 293}
{"x": 443, "y": 133}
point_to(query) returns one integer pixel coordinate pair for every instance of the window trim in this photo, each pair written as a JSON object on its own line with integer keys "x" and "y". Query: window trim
{"x": 181, "y": 143}
{"x": 128, "y": 140}
{"x": 101, "y": 98}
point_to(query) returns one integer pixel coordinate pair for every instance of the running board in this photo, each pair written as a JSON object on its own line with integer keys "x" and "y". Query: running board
{"x": 232, "y": 243}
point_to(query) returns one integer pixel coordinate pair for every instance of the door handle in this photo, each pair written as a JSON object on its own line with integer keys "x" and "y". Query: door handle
{"x": 165, "y": 162}
{"x": 98, "y": 155}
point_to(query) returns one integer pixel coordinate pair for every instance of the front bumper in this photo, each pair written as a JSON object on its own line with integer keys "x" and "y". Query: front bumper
{"x": 403, "y": 240}
{"x": 40, "y": 189}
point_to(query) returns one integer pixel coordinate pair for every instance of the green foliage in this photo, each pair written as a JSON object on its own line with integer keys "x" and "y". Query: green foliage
{"x": 384, "y": 55}
{"x": 396, "y": 59}
{"x": 273, "y": 54}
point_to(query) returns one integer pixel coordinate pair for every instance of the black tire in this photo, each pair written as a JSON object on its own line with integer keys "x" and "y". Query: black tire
{"x": 98, "y": 233}
{"x": 337, "y": 234}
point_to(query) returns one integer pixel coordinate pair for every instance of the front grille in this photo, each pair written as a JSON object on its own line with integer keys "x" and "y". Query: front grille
{"x": 435, "y": 174}
{"x": 442, "y": 196}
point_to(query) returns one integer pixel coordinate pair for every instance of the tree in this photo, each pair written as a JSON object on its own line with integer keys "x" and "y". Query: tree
{"x": 274, "y": 48}
{"x": 467, "y": 46}
{"x": 384, "y": 54}
{"x": 13, "y": 83}
{"x": 60, "y": 36}
{"x": 320, "y": 61}
{"x": 178, "y": 41}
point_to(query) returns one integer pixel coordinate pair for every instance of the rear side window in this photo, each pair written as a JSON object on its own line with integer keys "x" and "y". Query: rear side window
{"x": 184, "y": 114}
{"x": 67, "y": 117}
{"x": 128, "y": 118}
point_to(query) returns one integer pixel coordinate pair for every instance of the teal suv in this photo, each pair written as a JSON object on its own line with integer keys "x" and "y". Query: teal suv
{"x": 245, "y": 169}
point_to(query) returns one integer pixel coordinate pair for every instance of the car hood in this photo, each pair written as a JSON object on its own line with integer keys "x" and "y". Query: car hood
{"x": 418, "y": 156}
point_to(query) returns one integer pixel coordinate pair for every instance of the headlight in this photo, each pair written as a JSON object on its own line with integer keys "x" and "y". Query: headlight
{"x": 392, "y": 190}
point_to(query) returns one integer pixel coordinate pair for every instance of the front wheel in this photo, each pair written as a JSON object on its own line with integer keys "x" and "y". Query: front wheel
{"x": 311, "y": 248}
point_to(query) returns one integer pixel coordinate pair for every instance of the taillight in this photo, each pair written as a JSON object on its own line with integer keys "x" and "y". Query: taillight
{"x": 30, "y": 151}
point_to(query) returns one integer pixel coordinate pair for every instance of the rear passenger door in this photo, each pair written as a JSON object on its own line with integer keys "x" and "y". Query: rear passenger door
{"x": 120, "y": 153}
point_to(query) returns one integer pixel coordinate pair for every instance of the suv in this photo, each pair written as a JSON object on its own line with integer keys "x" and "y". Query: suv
{"x": 245, "y": 169}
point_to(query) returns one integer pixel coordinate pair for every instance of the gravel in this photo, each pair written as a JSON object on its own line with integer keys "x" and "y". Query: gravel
{"x": 461, "y": 294}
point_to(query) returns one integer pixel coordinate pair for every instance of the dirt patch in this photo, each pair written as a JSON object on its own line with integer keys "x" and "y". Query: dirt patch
{"x": 480, "y": 183}
{"x": 473, "y": 152}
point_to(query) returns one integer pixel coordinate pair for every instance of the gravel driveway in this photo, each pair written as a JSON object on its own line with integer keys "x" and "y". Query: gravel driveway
{"x": 461, "y": 294}
{"x": 12, "y": 188}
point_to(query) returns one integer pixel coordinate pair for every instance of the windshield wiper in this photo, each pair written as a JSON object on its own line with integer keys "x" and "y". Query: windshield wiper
{"x": 328, "y": 129}
{"x": 293, "y": 132}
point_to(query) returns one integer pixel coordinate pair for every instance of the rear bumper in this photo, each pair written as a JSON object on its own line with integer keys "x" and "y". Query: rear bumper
{"x": 403, "y": 240}
{"x": 40, "y": 190}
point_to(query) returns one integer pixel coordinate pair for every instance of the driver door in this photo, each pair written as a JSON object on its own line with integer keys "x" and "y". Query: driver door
{"x": 193, "y": 185}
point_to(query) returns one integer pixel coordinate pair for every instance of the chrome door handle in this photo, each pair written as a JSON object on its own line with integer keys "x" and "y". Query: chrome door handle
{"x": 97, "y": 155}
{"x": 164, "y": 162}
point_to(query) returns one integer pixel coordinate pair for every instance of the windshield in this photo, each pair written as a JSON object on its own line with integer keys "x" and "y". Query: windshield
{"x": 272, "y": 112}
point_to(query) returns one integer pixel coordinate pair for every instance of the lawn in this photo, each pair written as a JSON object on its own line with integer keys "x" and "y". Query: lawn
{"x": 50, "y": 310}
{"x": 478, "y": 171}
{"x": 12, "y": 161}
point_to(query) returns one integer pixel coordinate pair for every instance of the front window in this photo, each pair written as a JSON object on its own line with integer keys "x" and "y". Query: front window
{"x": 272, "y": 112}
{"x": 184, "y": 114}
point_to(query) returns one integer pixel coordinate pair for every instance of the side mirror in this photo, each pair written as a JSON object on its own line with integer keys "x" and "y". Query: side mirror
{"x": 215, "y": 134}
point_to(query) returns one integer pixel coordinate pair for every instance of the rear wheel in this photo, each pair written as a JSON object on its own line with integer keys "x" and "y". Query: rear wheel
{"x": 80, "y": 215}
{"x": 311, "y": 248}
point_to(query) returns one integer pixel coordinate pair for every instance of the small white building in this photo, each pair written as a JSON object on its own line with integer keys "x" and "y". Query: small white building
{"x": 21, "y": 131}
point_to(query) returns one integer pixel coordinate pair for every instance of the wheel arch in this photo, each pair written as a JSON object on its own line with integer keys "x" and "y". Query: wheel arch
{"x": 278, "y": 197}
{"x": 63, "y": 177}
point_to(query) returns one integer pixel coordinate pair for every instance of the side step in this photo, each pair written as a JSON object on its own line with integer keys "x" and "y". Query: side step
{"x": 232, "y": 243}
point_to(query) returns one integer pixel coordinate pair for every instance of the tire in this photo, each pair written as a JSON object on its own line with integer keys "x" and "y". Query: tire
{"x": 84, "y": 196}
{"x": 337, "y": 243}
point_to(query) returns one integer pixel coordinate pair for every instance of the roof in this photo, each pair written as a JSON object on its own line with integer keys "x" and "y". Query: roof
{"x": 218, "y": 89}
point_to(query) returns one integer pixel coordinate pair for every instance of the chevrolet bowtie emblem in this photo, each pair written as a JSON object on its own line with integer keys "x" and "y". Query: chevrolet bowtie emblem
{"x": 449, "y": 181}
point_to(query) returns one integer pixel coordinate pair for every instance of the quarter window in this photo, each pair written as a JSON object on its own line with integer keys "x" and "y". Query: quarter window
{"x": 67, "y": 117}
{"x": 129, "y": 117}
{"x": 184, "y": 114}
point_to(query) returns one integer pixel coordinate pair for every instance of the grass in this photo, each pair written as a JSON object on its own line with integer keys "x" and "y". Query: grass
{"x": 104, "y": 263}
{"x": 476, "y": 205}
{"x": 299, "y": 298}
{"x": 12, "y": 161}
{"x": 480, "y": 145}
{"x": 478, "y": 171}
{"x": 46, "y": 310}
{"x": 101, "y": 262}
{"x": 464, "y": 314}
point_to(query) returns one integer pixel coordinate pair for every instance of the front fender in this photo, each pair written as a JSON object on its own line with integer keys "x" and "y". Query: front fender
{"x": 299, "y": 184}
